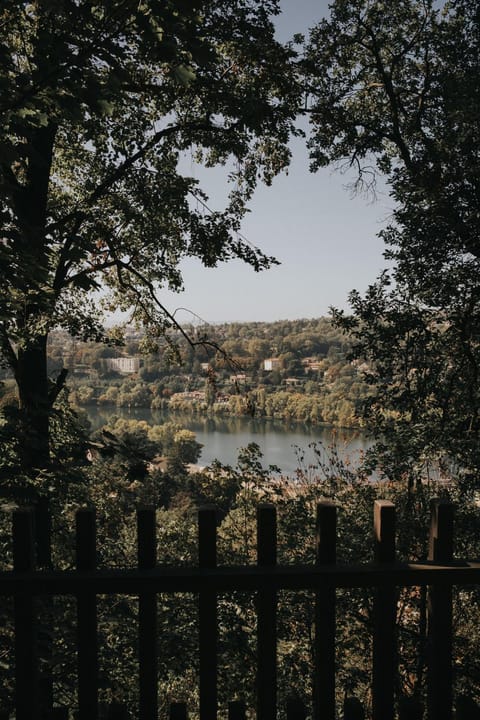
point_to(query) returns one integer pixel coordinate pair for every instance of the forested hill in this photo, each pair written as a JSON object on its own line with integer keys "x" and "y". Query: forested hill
{"x": 295, "y": 370}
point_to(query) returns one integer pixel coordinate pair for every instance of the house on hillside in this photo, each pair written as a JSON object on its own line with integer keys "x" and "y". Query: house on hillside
{"x": 239, "y": 378}
{"x": 271, "y": 364}
{"x": 294, "y": 382}
{"x": 124, "y": 365}
{"x": 197, "y": 395}
{"x": 312, "y": 364}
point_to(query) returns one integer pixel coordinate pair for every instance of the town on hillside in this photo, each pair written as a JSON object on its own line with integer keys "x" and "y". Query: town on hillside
{"x": 293, "y": 370}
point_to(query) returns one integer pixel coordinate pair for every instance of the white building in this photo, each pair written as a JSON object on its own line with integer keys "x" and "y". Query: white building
{"x": 271, "y": 364}
{"x": 125, "y": 365}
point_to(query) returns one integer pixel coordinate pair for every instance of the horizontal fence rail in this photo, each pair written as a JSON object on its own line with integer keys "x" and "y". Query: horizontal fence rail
{"x": 224, "y": 579}
{"x": 384, "y": 574}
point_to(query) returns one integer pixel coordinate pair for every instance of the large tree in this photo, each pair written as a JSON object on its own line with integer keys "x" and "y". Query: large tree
{"x": 98, "y": 101}
{"x": 395, "y": 90}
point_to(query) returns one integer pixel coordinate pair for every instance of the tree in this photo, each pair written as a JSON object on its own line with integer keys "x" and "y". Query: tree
{"x": 395, "y": 90}
{"x": 98, "y": 103}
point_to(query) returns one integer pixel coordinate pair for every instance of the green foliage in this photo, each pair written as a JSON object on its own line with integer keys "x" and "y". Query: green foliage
{"x": 66, "y": 474}
{"x": 133, "y": 445}
{"x": 395, "y": 90}
{"x": 331, "y": 390}
{"x": 426, "y": 395}
{"x": 99, "y": 105}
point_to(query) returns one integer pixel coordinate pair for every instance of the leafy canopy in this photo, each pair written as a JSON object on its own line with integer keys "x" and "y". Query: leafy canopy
{"x": 395, "y": 89}
{"x": 98, "y": 103}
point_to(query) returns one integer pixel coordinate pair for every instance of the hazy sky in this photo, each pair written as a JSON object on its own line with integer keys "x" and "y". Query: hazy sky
{"x": 325, "y": 240}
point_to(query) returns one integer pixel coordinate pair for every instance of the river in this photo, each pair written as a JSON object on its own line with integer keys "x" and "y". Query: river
{"x": 281, "y": 443}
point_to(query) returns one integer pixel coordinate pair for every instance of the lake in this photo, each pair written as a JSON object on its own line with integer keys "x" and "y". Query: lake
{"x": 221, "y": 438}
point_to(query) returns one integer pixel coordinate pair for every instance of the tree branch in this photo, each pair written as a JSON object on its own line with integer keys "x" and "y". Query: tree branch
{"x": 80, "y": 214}
{"x": 89, "y": 271}
{"x": 57, "y": 386}
{"x": 392, "y": 97}
{"x": 121, "y": 170}
{"x": 148, "y": 285}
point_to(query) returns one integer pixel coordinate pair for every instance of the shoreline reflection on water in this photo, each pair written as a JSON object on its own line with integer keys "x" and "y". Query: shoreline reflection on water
{"x": 222, "y": 437}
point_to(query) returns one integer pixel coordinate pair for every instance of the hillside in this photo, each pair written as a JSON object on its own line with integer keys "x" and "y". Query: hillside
{"x": 294, "y": 370}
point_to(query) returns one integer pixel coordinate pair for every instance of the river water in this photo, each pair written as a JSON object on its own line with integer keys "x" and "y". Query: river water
{"x": 281, "y": 443}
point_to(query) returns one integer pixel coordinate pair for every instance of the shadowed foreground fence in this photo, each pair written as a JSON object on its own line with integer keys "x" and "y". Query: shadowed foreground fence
{"x": 207, "y": 581}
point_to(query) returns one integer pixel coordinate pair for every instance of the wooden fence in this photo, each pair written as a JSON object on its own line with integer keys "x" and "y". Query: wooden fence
{"x": 440, "y": 572}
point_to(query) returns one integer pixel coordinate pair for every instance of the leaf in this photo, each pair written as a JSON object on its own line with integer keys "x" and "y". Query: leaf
{"x": 106, "y": 107}
{"x": 184, "y": 75}
{"x": 85, "y": 282}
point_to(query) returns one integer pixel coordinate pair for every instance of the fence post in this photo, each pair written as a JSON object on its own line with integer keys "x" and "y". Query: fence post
{"x": 117, "y": 711}
{"x": 296, "y": 709}
{"x": 267, "y": 617}
{"x": 439, "y": 617}
{"x": 178, "y": 711}
{"x": 466, "y": 708}
{"x": 43, "y": 549}
{"x": 324, "y": 649}
{"x": 147, "y": 618}
{"x": 59, "y": 713}
{"x": 87, "y": 619}
{"x": 384, "y": 616}
{"x": 208, "y": 631}
{"x": 236, "y": 710}
{"x": 410, "y": 708}
{"x": 27, "y": 701}
{"x": 353, "y": 709}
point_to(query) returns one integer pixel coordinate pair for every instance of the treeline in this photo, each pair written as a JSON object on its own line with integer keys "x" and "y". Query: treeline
{"x": 292, "y": 370}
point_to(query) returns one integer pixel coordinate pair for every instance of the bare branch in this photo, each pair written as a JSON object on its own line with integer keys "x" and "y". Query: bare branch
{"x": 392, "y": 96}
{"x": 170, "y": 316}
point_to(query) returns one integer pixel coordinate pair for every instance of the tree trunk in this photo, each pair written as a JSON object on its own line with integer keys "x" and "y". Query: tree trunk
{"x": 31, "y": 200}
{"x": 32, "y": 381}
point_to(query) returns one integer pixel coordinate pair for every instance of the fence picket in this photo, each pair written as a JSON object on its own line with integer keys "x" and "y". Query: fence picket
{"x": 353, "y": 709}
{"x": 117, "y": 711}
{"x": 27, "y": 698}
{"x": 58, "y": 713}
{"x": 384, "y": 613}
{"x": 147, "y": 618}
{"x": 466, "y": 708}
{"x": 325, "y": 599}
{"x": 236, "y": 710}
{"x": 207, "y": 604}
{"x": 266, "y": 617}
{"x": 296, "y": 709}
{"x": 178, "y": 711}
{"x": 410, "y": 708}
{"x": 87, "y": 619}
{"x": 439, "y": 617}
{"x": 42, "y": 522}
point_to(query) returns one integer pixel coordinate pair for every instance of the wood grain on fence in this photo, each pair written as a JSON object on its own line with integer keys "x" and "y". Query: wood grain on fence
{"x": 324, "y": 637}
{"x": 439, "y": 617}
{"x": 384, "y": 614}
{"x": 26, "y": 656}
{"x": 87, "y": 636}
{"x": 208, "y": 623}
{"x": 147, "y": 618}
{"x": 266, "y": 616}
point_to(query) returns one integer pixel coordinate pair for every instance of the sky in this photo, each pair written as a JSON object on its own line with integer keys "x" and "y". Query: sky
{"x": 325, "y": 240}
